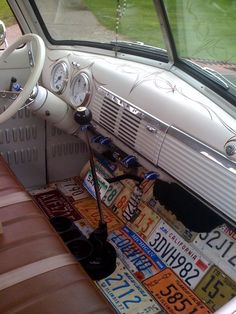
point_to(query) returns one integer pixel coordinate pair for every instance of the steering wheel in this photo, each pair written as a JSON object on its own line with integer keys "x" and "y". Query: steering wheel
{"x": 33, "y": 77}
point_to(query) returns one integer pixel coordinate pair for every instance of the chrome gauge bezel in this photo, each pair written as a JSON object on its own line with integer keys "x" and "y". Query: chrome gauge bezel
{"x": 65, "y": 79}
{"x": 86, "y": 97}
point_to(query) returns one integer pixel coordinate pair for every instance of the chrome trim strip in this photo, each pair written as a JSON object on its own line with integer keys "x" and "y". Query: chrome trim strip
{"x": 149, "y": 119}
{"x": 202, "y": 149}
{"x": 165, "y": 28}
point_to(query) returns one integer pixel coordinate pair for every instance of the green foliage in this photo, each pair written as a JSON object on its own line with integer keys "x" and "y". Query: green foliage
{"x": 6, "y": 14}
{"x": 138, "y": 23}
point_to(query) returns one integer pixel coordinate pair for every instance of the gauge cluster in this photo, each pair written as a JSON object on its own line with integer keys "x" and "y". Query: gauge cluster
{"x": 59, "y": 77}
{"x": 80, "y": 90}
{"x": 76, "y": 87}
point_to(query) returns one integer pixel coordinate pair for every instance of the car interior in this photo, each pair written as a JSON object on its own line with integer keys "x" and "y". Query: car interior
{"x": 118, "y": 157}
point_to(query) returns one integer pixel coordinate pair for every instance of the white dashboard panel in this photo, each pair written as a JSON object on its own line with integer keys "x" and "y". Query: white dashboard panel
{"x": 122, "y": 91}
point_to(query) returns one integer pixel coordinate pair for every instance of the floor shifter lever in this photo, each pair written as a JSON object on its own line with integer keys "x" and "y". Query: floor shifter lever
{"x": 103, "y": 260}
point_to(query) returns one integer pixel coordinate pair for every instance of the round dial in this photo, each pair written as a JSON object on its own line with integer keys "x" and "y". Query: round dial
{"x": 59, "y": 77}
{"x": 80, "y": 90}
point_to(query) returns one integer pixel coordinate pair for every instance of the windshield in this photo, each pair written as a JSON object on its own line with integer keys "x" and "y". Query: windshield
{"x": 103, "y": 21}
{"x": 204, "y": 31}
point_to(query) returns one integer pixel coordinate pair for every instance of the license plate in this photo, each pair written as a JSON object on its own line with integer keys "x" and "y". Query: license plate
{"x": 132, "y": 255}
{"x": 216, "y": 288}
{"x": 148, "y": 192}
{"x": 121, "y": 202}
{"x": 173, "y": 295}
{"x": 185, "y": 233}
{"x": 126, "y": 294}
{"x": 229, "y": 232}
{"x": 146, "y": 221}
{"x": 112, "y": 193}
{"x": 109, "y": 195}
{"x": 88, "y": 209}
{"x": 89, "y": 184}
{"x": 220, "y": 248}
{"x": 72, "y": 189}
{"x": 178, "y": 254}
{"x": 132, "y": 211}
{"x": 157, "y": 261}
{"x": 53, "y": 203}
{"x": 84, "y": 227}
{"x": 114, "y": 188}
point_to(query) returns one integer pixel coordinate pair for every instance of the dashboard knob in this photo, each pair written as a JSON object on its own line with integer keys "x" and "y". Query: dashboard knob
{"x": 129, "y": 161}
{"x": 230, "y": 149}
{"x": 83, "y": 115}
{"x": 151, "y": 175}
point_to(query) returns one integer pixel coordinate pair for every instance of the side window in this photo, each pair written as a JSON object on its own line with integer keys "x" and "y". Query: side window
{"x": 13, "y": 30}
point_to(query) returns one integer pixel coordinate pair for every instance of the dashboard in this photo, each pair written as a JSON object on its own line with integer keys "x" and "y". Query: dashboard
{"x": 157, "y": 116}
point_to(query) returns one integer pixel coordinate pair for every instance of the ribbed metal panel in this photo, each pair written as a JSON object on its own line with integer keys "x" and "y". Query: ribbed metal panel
{"x": 205, "y": 175}
{"x": 129, "y": 124}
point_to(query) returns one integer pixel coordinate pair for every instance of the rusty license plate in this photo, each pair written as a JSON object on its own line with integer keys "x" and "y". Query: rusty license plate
{"x": 173, "y": 295}
{"x": 54, "y": 203}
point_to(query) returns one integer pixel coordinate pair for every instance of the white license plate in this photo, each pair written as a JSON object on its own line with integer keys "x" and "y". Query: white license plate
{"x": 89, "y": 185}
{"x": 220, "y": 248}
{"x": 114, "y": 188}
{"x": 178, "y": 254}
{"x": 133, "y": 256}
{"x": 126, "y": 294}
{"x": 84, "y": 227}
{"x": 72, "y": 189}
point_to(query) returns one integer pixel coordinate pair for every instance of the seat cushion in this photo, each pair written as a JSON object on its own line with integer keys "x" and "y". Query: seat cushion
{"x": 28, "y": 284}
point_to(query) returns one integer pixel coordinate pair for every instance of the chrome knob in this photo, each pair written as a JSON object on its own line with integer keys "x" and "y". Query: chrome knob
{"x": 230, "y": 149}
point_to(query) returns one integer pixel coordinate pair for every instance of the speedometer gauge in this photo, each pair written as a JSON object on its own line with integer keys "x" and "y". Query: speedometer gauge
{"x": 59, "y": 77}
{"x": 80, "y": 89}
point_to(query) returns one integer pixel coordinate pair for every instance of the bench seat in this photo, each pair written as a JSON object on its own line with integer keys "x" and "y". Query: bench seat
{"x": 37, "y": 272}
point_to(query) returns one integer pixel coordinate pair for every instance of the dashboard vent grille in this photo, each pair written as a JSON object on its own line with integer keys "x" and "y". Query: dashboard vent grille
{"x": 108, "y": 114}
{"x": 128, "y": 123}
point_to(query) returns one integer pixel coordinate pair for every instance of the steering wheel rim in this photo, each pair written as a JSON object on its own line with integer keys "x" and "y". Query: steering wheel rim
{"x": 39, "y": 59}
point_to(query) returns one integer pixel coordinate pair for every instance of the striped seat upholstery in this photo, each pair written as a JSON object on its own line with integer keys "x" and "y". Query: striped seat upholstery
{"x": 37, "y": 272}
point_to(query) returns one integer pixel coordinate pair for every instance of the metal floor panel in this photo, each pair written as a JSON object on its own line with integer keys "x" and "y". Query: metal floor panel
{"x": 22, "y": 144}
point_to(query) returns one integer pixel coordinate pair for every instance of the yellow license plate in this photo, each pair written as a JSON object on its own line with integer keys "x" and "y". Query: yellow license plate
{"x": 216, "y": 288}
{"x": 173, "y": 295}
{"x": 145, "y": 222}
{"x": 88, "y": 209}
{"x": 121, "y": 203}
